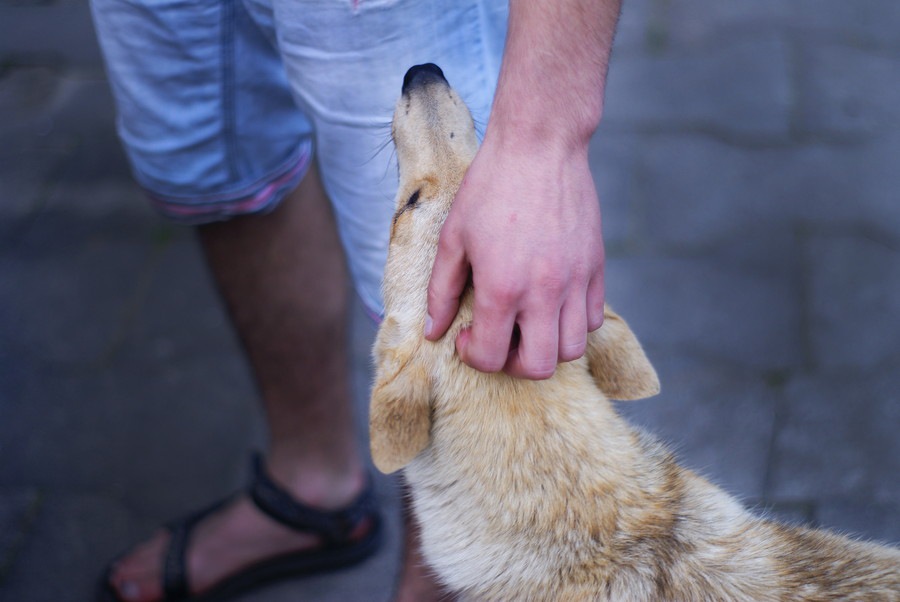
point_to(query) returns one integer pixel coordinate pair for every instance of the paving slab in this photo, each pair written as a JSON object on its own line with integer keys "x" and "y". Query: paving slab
{"x": 711, "y": 310}
{"x": 703, "y": 196}
{"x": 697, "y": 191}
{"x": 613, "y": 160}
{"x": 74, "y": 535}
{"x": 50, "y": 31}
{"x": 18, "y": 509}
{"x": 39, "y": 316}
{"x": 747, "y": 169}
{"x": 159, "y": 436}
{"x": 26, "y": 181}
{"x": 845, "y": 90}
{"x": 861, "y": 518}
{"x": 686, "y": 23}
{"x": 838, "y": 438}
{"x": 35, "y": 98}
{"x": 718, "y": 420}
{"x": 866, "y": 23}
{"x": 854, "y": 301}
{"x": 27, "y": 91}
{"x": 178, "y": 314}
{"x": 696, "y": 89}
{"x": 637, "y": 27}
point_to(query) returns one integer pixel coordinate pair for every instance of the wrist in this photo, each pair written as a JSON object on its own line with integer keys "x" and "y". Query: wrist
{"x": 541, "y": 139}
{"x": 534, "y": 120}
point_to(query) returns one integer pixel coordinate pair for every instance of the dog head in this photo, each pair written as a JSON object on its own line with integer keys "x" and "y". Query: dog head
{"x": 434, "y": 136}
{"x": 435, "y": 140}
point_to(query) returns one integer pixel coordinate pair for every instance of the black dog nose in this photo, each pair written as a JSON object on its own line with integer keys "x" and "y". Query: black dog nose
{"x": 419, "y": 75}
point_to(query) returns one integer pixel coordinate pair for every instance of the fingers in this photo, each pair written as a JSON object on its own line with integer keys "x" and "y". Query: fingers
{"x": 537, "y": 354}
{"x": 547, "y": 340}
{"x": 547, "y": 333}
{"x": 485, "y": 346}
{"x": 448, "y": 279}
{"x": 573, "y": 321}
{"x": 596, "y": 295}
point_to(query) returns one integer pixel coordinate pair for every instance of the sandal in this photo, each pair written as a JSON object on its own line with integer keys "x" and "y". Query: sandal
{"x": 333, "y": 527}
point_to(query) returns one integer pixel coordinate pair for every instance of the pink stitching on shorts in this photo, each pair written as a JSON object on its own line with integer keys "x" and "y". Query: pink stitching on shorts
{"x": 213, "y": 207}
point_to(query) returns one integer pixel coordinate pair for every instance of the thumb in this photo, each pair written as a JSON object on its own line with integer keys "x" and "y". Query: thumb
{"x": 448, "y": 279}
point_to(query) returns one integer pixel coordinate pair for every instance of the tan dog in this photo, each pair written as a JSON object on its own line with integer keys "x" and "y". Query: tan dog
{"x": 538, "y": 490}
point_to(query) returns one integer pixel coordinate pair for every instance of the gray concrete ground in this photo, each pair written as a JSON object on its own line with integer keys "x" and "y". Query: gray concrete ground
{"x": 749, "y": 173}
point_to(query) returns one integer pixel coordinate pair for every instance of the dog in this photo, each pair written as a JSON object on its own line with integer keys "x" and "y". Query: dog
{"x": 538, "y": 490}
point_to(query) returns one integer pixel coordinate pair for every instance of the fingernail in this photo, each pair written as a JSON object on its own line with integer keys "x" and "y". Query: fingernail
{"x": 130, "y": 590}
{"x": 429, "y": 325}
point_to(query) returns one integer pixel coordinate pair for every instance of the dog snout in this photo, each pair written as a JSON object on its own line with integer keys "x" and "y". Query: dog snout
{"x": 420, "y": 75}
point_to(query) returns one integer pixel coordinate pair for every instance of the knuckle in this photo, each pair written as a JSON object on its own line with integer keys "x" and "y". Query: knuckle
{"x": 486, "y": 363}
{"x": 540, "y": 373}
{"x": 572, "y": 351}
{"x": 539, "y": 369}
{"x": 503, "y": 295}
{"x": 550, "y": 280}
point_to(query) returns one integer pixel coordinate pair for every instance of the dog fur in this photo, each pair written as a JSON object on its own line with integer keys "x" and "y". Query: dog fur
{"x": 531, "y": 490}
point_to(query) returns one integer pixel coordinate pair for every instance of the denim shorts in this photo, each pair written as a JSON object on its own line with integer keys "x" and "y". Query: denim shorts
{"x": 222, "y": 102}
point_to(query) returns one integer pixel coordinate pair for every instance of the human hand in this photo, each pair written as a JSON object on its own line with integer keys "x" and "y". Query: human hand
{"x": 526, "y": 224}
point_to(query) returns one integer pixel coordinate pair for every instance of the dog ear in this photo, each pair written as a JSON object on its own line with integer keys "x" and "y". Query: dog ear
{"x": 400, "y": 408}
{"x": 618, "y": 363}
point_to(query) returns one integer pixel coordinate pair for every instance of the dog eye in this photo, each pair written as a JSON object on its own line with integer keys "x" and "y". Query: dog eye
{"x": 412, "y": 200}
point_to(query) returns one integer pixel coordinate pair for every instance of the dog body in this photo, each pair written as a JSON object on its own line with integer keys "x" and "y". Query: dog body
{"x": 538, "y": 490}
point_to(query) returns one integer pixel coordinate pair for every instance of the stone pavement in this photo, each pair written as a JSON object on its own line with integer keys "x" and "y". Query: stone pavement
{"x": 749, "y": 168}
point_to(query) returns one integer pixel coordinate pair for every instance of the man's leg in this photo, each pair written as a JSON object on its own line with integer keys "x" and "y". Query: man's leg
{"x": 283, "y": 279}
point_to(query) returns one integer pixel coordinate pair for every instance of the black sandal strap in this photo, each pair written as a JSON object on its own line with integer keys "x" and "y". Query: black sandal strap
{"x": 175, "y": 581}
{"x": 334, "y": 527}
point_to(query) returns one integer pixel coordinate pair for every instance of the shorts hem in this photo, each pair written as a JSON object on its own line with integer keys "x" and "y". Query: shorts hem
{"x": 262, "y": 196}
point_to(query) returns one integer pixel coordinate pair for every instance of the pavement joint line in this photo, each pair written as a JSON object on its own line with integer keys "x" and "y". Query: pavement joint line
{"x": 856, "y": 228}
{"x": 772, "y": 507}
{"x": 42, "y": 197}
{"x": 787, "y": 140}
{"x": 705, "y": 253}
{"x": 794, "y": 67}
{"x": 132, "y": 305}
{"x": 46, "y": 59}
{"x": 129, "y": 310}
{"x": 638, "y": 233}
{"x": 847, "y": 39}
{"x": 779, "y": 419}
{"x": 27, "y": 523}
{"x": 656, "y": 35}
{"x": 803, "y": 279}
{"x": 720, "y": 362}
{"x": 726, "y": 35}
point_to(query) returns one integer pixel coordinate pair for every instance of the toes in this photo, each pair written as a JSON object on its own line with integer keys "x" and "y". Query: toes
{"x": 138, "y": 589}
{"x": 137, "y": 577}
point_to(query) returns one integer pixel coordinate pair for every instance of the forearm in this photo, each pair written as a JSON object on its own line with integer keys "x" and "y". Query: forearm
{"x": 554, "y": 71}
